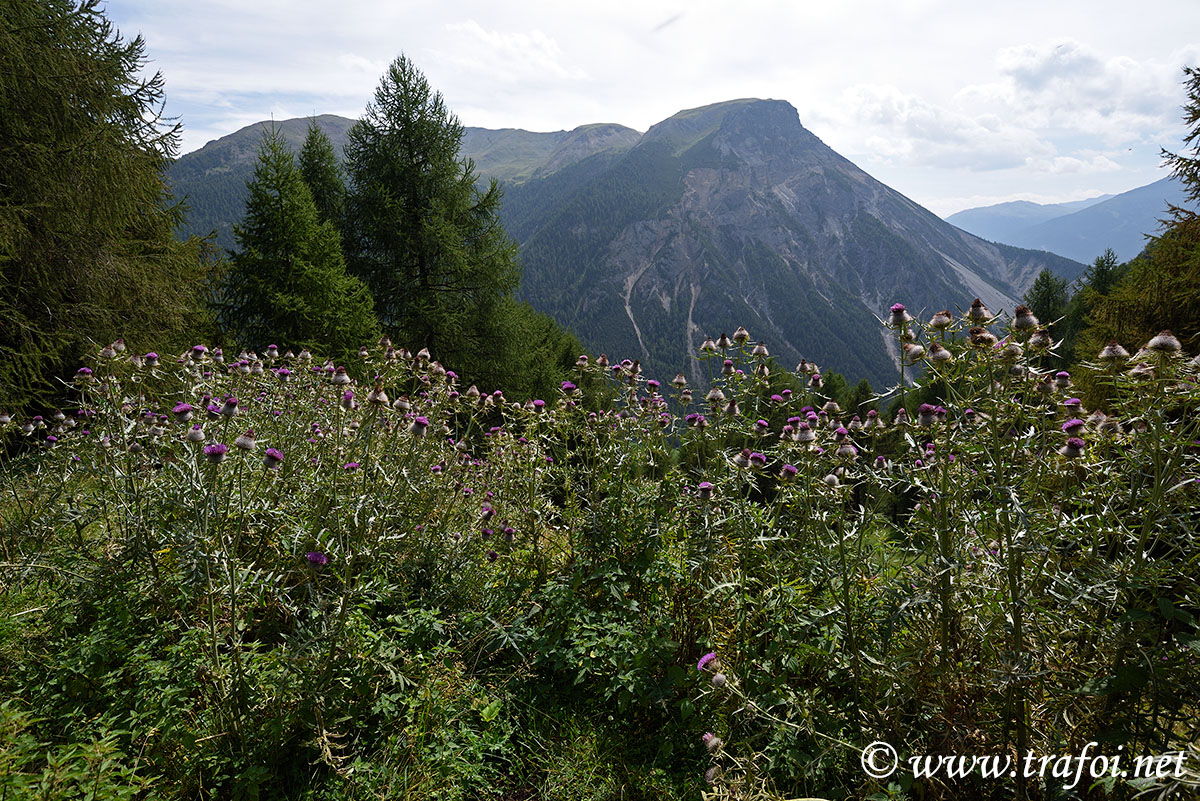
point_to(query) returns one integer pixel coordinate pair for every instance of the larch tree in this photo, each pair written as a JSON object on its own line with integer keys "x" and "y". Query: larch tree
{"x": 423, "y": 235}
{"x": 88, "y": 251}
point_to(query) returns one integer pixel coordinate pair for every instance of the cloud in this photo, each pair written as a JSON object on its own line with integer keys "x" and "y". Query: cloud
{"x": 913, "y": 131}
{"x": 526, "y": 58}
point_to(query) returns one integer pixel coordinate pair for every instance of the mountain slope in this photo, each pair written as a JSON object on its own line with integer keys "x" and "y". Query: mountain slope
{"x": 734, "y": 214}
{"x": 1120, "y": 222}
{"x": 999, "y": 222}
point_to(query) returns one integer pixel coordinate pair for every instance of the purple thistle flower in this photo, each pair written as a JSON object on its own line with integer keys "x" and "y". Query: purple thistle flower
{"x": 317, "y": 558}
{"x": 350, "y": 467}
{"x": 706, "y": 660}
{"x": 272, "y": 458}
{"x": 705, "y": 489}
{"x": 216, "y": 452}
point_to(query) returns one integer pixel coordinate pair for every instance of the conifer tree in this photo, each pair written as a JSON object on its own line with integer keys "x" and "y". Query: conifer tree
{"x": 287, "y": 283}
{"x": 87, "y": 229}
{"x": 426, "y": 239}
{"x": 323, "y": 174}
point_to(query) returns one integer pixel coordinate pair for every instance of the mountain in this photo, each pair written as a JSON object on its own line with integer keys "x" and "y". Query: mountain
{"x": 213, "y": 179}
{"x": 731, "y": 214}
{"x": 735, "y": 214}
{"x": 1120, "y": 222}
{"x": 1000, "y": 222}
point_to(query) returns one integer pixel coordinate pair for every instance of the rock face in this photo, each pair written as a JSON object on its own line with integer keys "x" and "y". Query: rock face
{"x": 735, "y": 214}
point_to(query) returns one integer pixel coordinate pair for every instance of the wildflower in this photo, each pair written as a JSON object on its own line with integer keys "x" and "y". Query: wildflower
{"x": 941, "y": 321}
{"x": 230, "y": 408}
{"x": 419, "y": 426}
{"x": 284, "y": 375}
{"x": 492, "y": 556}
{"x": 712, "y": 774}
{"x": 1062, "y": 379}
{"x": 340, "y": 377}
{"x": 831, "y": 480}
{"x": 846, "y": 450}
{"x": 732, "y": 409}
{"x": 939, "y": 354}
{"x": 198, "y": 351}
{"x": 83, "y": 374}
{"x": 377, "y": 397}
{"x": 913, "y": 352}
{"x": 151, "y": 359}
{"x": 1073, "y": 426}
{"x": 899, "y": 316}
{"x": 1024, "y": 319}
{"x": 815, "y": 381}
{"x": 758, "y": 460}
{"x": 216, "y": 452}
{"x": 705, "y": 490}
{"x": 1073, "y": 449}
{"x": 760, "y": 350}
{"x": 1040, "y": 339}
{"x": 711, "y": 657}
{"x": 196, "y": 434}
{"x": 679, "y": 382}
{"x": 317, "y": 558}
{"x": 1164, "y": 342}
{"x": 742, "y": 459}
{"x": 741, "y": 336}
{"x": 272, "y": 458}
{"x": 981, "y": 338}
{"x": 1112, "y": 352}
{"x": 926, "y": 414}
{"x": 978, "y": 313}
{"x": 712, "y": 743}
{"x": 245, "y": 441}
{"x": 788, "y": 472}
{"x": 719, "y": 681}
{"x": 804, "y": 433}
{"x": 715, "y": 396}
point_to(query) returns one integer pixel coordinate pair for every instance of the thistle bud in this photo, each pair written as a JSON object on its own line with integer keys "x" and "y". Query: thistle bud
{"x": 978, "y": 313}
{"x": 245, "y": 441}
{"x": 724, "y": 342}
{"x": 941, "y": 321}
{"x": 760, "y": 350}
{"x": 1024, "y": 319}
{"x": 1112, "y": 352}
{"x": 1164, "y": 342}
{"x": 899, "y": 316}
{"x": 939, "y": 354}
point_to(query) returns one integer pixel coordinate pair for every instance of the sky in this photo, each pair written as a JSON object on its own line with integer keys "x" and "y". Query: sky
{"x": 953, "y": 103}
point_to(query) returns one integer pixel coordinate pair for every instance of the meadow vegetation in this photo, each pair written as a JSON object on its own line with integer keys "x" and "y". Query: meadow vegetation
{"x": 263, "y": 576}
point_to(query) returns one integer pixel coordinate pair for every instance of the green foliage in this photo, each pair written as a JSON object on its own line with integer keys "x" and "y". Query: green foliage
{"x": 87, "y": 250}
{"x": 1048, "y": 296}
{"x": 287, "y": 283}
{"x": 514, "y": 605}
{"x": 422, "y": 235}
{"x": 322, "y": 172}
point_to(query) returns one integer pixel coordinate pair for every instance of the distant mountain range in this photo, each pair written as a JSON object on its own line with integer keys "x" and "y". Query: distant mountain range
{"x": 1080, "y": 230}
{"x": 731, "y": 214}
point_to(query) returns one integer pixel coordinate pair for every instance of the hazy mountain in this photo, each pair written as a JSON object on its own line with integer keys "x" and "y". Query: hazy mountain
{"x": 734, "y": 214}
{"x": 999, "y": 222}
{"x": 731, "y": 214}
{"x": 1120, "y": 222}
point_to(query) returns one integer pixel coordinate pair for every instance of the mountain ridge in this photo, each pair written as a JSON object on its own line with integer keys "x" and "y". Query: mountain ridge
{"x": 718, "y": 216}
